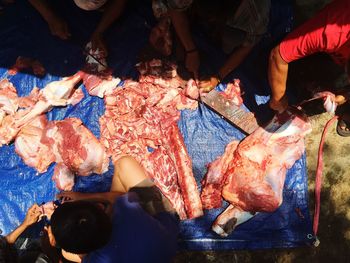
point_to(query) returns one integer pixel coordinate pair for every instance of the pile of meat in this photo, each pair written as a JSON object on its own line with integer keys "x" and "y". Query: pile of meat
{"x": 40, "y": 142}
{"x": 250, "y": 174}
{"x": 141, "y": 120}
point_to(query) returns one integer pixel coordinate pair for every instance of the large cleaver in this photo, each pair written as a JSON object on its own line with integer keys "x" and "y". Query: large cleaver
{"x": 243, "y": 120}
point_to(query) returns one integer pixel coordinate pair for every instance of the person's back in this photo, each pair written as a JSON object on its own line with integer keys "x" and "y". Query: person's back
{"x": 137, "y": 236}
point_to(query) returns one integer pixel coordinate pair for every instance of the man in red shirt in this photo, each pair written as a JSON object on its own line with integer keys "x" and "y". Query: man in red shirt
{"x": 327, "y": 32}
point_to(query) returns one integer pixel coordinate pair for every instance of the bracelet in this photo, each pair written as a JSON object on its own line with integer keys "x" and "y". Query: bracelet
{"x": 191, "y": 51}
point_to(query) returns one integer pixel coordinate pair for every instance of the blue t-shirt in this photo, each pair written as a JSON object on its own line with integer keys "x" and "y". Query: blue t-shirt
{"x": 137, "y": 236}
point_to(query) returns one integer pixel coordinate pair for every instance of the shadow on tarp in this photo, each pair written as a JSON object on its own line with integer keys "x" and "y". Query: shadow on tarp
{"x": 23, "y": 32}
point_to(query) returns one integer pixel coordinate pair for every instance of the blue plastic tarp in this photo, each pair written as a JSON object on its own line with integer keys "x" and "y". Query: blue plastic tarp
{"x": 23, "y": 32}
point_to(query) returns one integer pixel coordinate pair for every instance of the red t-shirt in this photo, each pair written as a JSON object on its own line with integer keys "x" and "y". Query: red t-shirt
{"x": 328, "y": 31}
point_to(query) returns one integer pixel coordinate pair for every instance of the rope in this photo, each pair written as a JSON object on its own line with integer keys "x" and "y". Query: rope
{"x": 318, "y": 180}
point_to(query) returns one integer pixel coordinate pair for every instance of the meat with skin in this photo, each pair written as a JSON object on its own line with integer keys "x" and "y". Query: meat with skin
{"x": 56, "y": 93}
{"x": 28, "y": 145}
{"x": 256, "y": 174}
{"x": 78, "y": 148}
{"x": 30, "y": 100}
{"x": 99, "y": 84}
{"x": 63, "y": 177}
{"x": 214, "y": 180}
{"x": 25, "y": 63}
{"x": 329, "y": 100}
{"x": 8, "y": 97}
{"x": 192, "y": 90}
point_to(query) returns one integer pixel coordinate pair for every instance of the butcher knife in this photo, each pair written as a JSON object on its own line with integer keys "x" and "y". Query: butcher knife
{"x": 247, "y": 121}
{"x": 244, "y": 120}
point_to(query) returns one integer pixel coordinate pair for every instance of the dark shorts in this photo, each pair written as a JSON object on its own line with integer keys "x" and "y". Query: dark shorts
{"x": 151, "y": 199}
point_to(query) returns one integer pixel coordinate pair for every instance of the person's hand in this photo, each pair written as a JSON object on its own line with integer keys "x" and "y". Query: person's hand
{"x": 192, "y": 62}
{"x": 59, "y": 28}
{"x": 97, "y": 42}
{"x": 342, "y": 97}
{"x": 32, "y": 215}
{"x": 279, "y": 105}
{"x": 208, "y": 84}
{"x": 69, "y": 196}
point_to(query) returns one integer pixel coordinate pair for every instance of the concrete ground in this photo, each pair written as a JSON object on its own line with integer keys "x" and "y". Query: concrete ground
{"x": 334, "y": 226}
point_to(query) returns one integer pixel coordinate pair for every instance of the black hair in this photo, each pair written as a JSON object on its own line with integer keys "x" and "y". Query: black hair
{"x": 7, "y": 254}
{"x": 80, "y": 227}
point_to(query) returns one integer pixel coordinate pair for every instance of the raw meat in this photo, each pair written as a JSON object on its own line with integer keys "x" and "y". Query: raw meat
{"x": 99, "y": 84}
{"x": 233, "y": 92}
{"x": 92, "y": 62}
{"x": 28, "y": 145}
{"x": 192, "y": 90}
{"x": 24, "y": 63}
{"x": 76, "y": 146}
{"x": 141, "y": 116}
{"x": 164, "y": 175}
{"x": 214, "y": 179}
{"x": 256, "y": 173}
{"x": 30, "y": 100}
{"x": 177, "y": 151}
{"x": 56, "y": 93}
{"x": 329, "y": 100}
{"x": 63, "y": 177}
{"x": 8, "y": 97}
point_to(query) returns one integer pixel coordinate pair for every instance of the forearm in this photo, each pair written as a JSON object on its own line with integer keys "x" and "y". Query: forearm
{"x": 234, "y": 60}
{"x": 182, "y": 28}
{"x": 43, "y": 7}
{"x": 12, "y": 237}
{"x": 113, "y": 10}
{"x": 105, "y": 196}
{"x": 277, "y": 73}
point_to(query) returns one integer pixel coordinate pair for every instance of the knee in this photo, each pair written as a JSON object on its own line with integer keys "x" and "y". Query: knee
{"x": 123, "y": 163}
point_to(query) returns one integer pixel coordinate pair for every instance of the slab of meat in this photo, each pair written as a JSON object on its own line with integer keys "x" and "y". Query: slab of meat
{"x": 214, "y": 180}
{"x": 78, "y": 148}
{"x": 63, "y": 177}
{"x": 28, "y": 145}
{"x": 177, "y": 151}
{"x": 164, "y": 175}
{"x": 99, "y": 84}
{"x": 256, "y": 174}
{"x": 25, "y": 63}
{"x": 56, "y": 93}
{"x": 8, "y": 97}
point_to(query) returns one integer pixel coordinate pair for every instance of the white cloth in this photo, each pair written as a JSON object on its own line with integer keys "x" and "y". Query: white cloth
{"x": 90, "y": 4}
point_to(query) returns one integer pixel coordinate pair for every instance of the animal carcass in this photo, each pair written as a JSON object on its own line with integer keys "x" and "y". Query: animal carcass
{"x": 253, "y": 173}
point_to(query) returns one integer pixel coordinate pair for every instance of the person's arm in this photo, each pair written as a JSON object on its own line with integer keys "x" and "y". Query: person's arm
{"x": 113, "y": 11}
{"x": 182, "y": 28}
{"x": 58, "y": 27}
{"x": 32, "y": 217}
{"x": 277, "y": 74}
{"x": 105, "y": 196}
